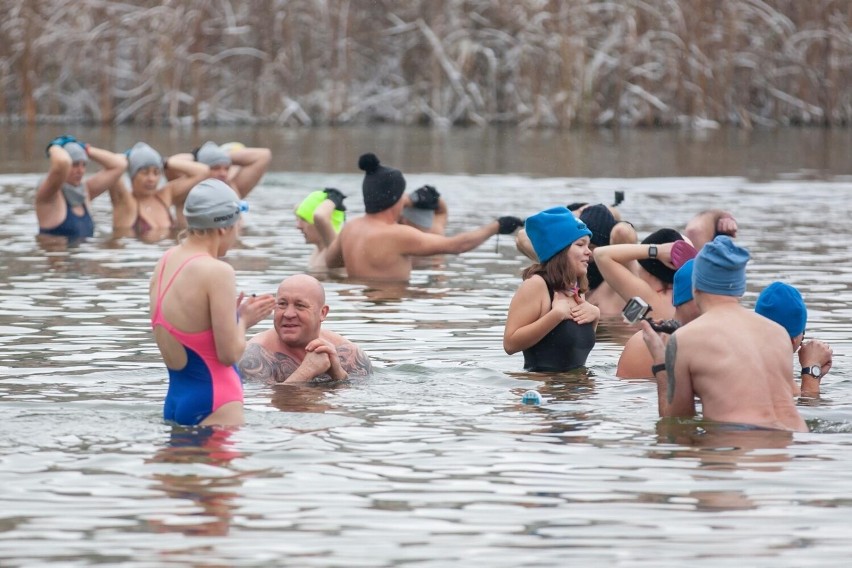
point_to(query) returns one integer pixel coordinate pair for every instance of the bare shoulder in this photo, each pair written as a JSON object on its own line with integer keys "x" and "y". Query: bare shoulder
{"x": 532, "y": 287}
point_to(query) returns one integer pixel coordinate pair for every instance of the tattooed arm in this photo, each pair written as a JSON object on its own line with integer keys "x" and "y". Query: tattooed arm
{"x": 680, "y": 398}
{"x": 353, "y": 360}
{"x": 675, "y": 396}
{"x": 259, "y": 364}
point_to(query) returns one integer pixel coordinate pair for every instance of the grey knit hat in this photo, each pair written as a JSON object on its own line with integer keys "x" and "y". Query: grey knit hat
{"x": 142, "y": 156}
{"x": 212, "y": 204}
{"x": 212, "y": 154}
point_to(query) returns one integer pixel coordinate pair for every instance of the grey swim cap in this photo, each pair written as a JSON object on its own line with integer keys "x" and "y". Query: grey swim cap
{"x": 142, "y": 156}
{"x": 77, "y": 152}
{"x": 212, "y": 204}
{"x": 212, "y": 155}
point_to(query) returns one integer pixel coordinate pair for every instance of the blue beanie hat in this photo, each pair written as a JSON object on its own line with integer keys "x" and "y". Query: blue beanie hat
{"x": 142, "y": 156}
{"x": 552, "y": 230}
{"x": 720, "y": 268}
{"x": 783, "y": 304}
{"x": 683, "y": 283}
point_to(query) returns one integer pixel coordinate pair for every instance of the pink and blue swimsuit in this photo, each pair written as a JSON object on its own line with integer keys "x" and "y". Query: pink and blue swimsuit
{"x": 204, "y": 384}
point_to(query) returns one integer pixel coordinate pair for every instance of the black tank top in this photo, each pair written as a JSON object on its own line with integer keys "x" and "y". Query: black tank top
{"x": 566, "y": 347}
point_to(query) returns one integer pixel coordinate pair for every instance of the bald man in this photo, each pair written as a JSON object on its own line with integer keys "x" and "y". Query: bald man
{"x": 297, "y": 349}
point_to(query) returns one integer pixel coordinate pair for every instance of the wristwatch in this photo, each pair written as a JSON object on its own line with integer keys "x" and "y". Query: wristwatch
{"x": 652, "y": 251}
{"x": 813, "y": 370}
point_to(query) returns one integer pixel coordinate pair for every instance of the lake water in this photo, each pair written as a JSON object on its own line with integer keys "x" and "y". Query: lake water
{"x": 433, "y": 461}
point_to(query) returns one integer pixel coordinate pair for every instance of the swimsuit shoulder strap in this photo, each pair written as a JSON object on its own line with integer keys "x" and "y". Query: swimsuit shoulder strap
{"x": 161, "y": 292}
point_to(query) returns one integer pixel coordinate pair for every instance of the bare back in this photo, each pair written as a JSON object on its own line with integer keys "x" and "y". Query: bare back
{"x": 372, "y": 249}
{"x": 743, "y": 377}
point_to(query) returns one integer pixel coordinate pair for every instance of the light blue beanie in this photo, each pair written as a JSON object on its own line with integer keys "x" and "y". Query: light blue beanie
{"x": 682, "y": 288}
{"x": 783, "y": 304}
{"x": 552, "y": 230}
{"x": 212, "y": 155}
{"x": 142, "y": 156}
{"x": 720, "y": 268}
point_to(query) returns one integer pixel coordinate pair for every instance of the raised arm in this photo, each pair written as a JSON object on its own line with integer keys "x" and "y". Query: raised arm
{"x": 418, "y": 243}
{"x": 253, "y": 163}
{"x": 334, "y": 252}
{"x": 614, "y": 262}
{"x": 704, "y": 227}
{"x": 60, "y": 165}
{"x": 442, "y": 214}
{"x": 230, "y": 320}
{"x": 322, "y": 221}
{"x": 189, "y": 173}
{"x": 524, "y": 245}
{"x": 113, "y": 166}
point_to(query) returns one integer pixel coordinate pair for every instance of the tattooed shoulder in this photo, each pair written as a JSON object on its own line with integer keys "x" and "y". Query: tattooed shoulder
{"x": 259, "y": 364}
{"x": 353, "y": 360}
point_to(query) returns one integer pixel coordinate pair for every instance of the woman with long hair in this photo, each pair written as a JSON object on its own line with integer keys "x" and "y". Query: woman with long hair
{"x": 549, "y": 318}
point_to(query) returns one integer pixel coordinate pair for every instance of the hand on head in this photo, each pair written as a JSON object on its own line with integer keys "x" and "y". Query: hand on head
{"x": 335, "y": 196}
{"x": 727, "y": 226}
{"x": 61, "y": 141}
{"x": 425, "y": 197}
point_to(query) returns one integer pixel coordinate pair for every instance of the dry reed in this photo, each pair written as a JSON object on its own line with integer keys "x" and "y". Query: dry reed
{"x": 535, "y": 63}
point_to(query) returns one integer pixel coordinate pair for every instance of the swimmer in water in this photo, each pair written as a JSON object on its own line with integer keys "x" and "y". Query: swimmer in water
{"x": 193, "y": 297}
{"x": 63, "y": 198}
{"x": 319, "y": 217}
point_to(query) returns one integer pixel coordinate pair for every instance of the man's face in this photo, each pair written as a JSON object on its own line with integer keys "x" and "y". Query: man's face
{"x": 309, "y": 231}
{"x": 299, "y": 313}
{"x": 220, "y": 172}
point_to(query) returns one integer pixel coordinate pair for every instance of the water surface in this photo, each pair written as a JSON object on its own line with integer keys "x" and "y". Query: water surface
{"x": 433, "y": 461}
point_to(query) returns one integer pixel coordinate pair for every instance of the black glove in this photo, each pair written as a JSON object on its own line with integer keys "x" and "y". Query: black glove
{"x": 60, "y": 141}
{"x": 509, "y": 224}
{"x": 335, "y": 196}
{"x": 425, "y": 197}
{"x": 195, "y": 153}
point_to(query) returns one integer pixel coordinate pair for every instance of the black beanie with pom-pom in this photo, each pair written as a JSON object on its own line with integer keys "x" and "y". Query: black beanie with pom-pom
{"x": 382, "y": 186}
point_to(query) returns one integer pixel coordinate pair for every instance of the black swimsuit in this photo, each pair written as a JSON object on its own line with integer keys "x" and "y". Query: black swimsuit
{"x": 565, "y": 347}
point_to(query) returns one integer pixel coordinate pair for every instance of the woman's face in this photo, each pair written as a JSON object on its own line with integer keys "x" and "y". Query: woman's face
{"x": 229, "y": 238}
{"x": 579, "y": 255}
{"x": 147, "y": 179}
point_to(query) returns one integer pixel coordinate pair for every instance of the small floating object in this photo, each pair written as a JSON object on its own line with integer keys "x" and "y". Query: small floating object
{"x": 531, "y": 397}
